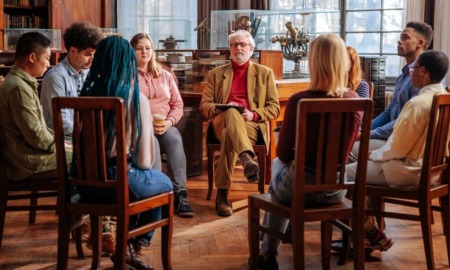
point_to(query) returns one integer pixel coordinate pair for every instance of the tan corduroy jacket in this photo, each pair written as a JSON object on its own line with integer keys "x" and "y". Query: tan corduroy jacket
{"x": 261, "y": 93}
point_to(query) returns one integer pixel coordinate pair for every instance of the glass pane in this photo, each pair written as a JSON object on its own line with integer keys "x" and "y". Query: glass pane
{"x": 364, "y": 43}
{"x": 392, "y": 20}
{"x": 394, "y": 64}
{"x": 393, "y": 4}
{"x": 363, "y": 21}
{"x": 329, "y": 4}
{"x": 363, "y": 4}
{"x": 390, "y": 42}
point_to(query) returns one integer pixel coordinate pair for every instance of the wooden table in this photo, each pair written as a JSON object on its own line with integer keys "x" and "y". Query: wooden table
{"x": 286, "y": 88}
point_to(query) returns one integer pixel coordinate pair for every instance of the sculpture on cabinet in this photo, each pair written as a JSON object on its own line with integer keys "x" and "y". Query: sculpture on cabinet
{"x": 294, "y": 44}
{"x": 171, "y": 43}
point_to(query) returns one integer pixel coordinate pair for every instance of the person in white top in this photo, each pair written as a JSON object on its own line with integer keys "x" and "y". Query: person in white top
{"x": 398, "y": 162}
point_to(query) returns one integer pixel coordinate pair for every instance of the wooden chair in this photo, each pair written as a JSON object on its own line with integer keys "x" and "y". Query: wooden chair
{"x": 371, "y": 89}
{"x": 89, "y": 148}
{"x": 28, "y": 189}
{"x": 38, "y": 186}
{"x": 335, "y": 117}
{"x": 434, "y": 162}
{"x": 213, "y": 146}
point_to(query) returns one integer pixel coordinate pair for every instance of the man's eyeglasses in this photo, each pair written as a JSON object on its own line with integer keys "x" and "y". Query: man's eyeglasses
{"x": 411, "y": 69}
{"x": 242, "y": 44}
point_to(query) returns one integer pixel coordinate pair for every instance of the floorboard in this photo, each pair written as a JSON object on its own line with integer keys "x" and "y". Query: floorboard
{"x": 208, "y": 241}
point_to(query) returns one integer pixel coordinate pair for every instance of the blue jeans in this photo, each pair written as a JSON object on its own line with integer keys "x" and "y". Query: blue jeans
{"x": 172, "y": 143}
{"x": 281, "y": 186}
{"x": 144, "y": 184}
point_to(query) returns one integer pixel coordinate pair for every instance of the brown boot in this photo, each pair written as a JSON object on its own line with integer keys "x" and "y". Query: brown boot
{"x": 251, "y": 168}
{"x": 223, "y": 206}
{"x": 133, "y": 257}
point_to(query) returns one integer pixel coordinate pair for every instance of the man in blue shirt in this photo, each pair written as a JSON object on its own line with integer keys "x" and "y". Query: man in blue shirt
{"x": 414, "y": 39}
{"x": 66, "y": 78}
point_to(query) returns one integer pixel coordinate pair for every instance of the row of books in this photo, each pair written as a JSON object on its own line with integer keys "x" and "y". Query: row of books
{"x": 22, "y": 21}
{"x": 26, "y": 3}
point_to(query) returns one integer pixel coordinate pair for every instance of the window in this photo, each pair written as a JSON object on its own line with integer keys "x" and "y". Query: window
{"x": 160, "y": 19}
{"x": 372, "y": 27}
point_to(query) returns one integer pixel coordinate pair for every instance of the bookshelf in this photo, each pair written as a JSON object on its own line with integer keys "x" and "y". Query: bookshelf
{"x": 53, "y": 14}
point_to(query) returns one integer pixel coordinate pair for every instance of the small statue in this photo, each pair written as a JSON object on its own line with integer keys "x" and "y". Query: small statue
{"x": 295, "y": 44}
{"x": 171, "y": 43}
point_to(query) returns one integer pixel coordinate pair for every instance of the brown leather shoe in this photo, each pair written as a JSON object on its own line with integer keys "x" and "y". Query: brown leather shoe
{"x": 133, "y": 257}
{"x": 223, "y": 206}
{"x": 251, "y": 168}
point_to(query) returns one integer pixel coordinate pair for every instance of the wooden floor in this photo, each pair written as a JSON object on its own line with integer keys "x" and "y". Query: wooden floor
{"x": 208, "y": 241}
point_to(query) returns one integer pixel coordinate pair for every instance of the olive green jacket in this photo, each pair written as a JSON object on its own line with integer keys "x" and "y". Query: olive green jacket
{"x": 28, "y": 146}
{"x": 261, "y": 93}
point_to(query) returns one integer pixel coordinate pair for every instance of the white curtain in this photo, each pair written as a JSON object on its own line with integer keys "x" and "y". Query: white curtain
{"x": 442, "y": 29}
{"x": 414, "y": 10}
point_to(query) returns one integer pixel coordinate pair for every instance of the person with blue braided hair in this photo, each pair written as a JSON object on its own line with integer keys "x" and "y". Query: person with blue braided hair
{"x": 114, "y": 73}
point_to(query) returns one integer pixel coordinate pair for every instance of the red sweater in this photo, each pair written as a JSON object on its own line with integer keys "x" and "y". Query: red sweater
{"x": 238, "y": 91}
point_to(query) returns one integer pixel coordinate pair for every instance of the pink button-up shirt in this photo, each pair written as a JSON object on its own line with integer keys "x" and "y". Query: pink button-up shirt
{"x": 163, "y": 95}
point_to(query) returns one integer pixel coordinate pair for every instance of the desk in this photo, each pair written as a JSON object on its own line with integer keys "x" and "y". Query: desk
{"x": 286, "y": 88}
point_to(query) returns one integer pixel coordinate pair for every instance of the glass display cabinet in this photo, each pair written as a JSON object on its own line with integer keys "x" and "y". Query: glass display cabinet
{"x": 286, "y": 30}
{"x": 171, "y": 34}
{"x": 123, "y": 32}
{"x": 11, "y": 37}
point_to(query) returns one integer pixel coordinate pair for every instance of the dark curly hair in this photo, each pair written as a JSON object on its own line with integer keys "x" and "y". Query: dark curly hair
{"x": 82, "y": 35}
{"x": 424, "y": 30}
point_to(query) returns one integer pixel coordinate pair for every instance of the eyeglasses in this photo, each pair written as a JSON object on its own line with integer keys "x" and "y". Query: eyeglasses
{"x": 411, "y": 69}
{"x": 242, "y": 44}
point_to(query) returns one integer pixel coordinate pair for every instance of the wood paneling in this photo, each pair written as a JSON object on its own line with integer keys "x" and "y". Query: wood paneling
{"x": 65, "y": 12}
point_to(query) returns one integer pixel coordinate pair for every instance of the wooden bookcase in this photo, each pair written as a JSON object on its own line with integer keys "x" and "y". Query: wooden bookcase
{"x": 57, "y": 14}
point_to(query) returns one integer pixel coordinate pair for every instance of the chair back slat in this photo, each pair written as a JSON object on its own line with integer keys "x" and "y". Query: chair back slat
{"x": 335, "y": 121}
{"x": 89, "y": 141}
{"x": 437, "y": 144}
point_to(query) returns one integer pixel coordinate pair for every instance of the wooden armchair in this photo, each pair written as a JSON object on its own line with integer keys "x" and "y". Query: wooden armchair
{"x": 335, "y": 117}
{"x": 213, "y": 146}
{"x": 434, "y": 162}
{"x": 90, "y": 157}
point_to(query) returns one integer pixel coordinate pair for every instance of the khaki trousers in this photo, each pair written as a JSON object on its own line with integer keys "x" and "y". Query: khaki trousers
{"x": 235, "y": 136}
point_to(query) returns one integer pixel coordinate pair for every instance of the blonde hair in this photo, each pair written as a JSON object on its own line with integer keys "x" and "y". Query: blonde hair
{"x": 328, "y": 62}
{"x": 355, "y": 72}
{"x": 153, "y": 66}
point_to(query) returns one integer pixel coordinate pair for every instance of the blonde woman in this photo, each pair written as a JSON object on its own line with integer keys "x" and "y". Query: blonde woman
{"x": 328, "y": 60}
{"x": 159, "y": 86}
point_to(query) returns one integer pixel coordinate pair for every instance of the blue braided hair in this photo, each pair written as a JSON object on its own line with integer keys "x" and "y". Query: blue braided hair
{"x": 114, "y": 73}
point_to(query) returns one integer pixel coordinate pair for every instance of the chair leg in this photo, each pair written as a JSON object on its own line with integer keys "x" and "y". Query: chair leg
{"x": 445, "y": 217}
{"x": 345, "y": 248}
{"x": 425, "y": 212}
{"x": 76, "y": 231}
{"x": 210, "y": 151}
{"x": 325, "y": 243}
{"x": 358, "y": 243}
{"x": 121, "y": 242}
{"x": 298, "y": 244}
{"x": 63, "y": 240}
{"x": 96, "y": 236}
{"x": 377, "y": 204}
{"x": 166, "y": 239}
{"x": 262, "y": 171}
{"x": 3, "y": 205}
{"x": 253, "y": 231}
{"x": 33, "y": 202}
